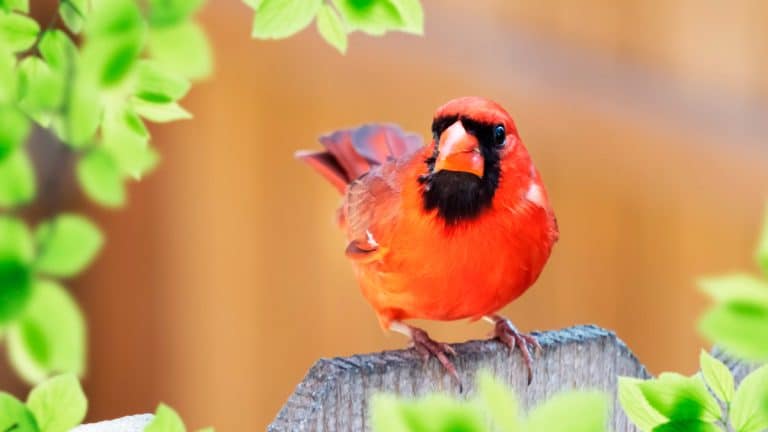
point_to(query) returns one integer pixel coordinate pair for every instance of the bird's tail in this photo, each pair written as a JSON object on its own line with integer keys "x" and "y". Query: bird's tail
{"x": 350, "y": 153}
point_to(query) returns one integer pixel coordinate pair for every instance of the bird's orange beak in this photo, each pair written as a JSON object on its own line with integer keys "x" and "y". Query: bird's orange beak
{"x": 459, "y": 151}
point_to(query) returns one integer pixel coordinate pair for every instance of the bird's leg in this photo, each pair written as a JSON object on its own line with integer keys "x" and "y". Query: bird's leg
{"x": 426, "y": 347}
{"x": 507, "y": 333}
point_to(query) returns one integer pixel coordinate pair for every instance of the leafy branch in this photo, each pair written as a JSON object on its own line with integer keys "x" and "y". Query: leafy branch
{"x": 709, "y": 401}
{"x": 335, "y": 19}
{"x": 93, "y": 98}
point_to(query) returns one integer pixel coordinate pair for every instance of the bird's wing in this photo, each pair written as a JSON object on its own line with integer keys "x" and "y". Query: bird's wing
{"x": 370, "y": 210}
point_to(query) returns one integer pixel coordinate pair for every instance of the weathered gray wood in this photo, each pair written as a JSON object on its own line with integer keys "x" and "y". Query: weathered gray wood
{"x": 335, "y": 393}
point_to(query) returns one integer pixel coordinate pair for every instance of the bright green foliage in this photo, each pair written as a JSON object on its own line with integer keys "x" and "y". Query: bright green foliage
{"x": 16, "y": 252}
{"x": 49, "y": 336}
{"x": 585, "y": 411}
{"x": 99, "y": 175}
{"x": 182, "y": 49}
{"x": 499, "y": 402}
{"x": 58, "y": 50}
{"x": 749, "y": 409}
{"x": 167, "y": 420}
{"x": 678, "y": 397}
{"x": 66, "y": 245}
{"x": 17, "y": 180}
{"x": 276, "y": 19}
{"x": 636, "y": 406}
{"x": 14, "y": 128}
{"x": 15, "y": 5}
{"x": 74, "y": 13}
{"x": 717, "y": 377}
{"x": 331, "y": 28}
{"x": 15, "y": 416}
{"x": 155, "y": 84}
{"x": 493, "y": 409}
{"x": 164, "y": 13}
{"x": 133, "y": 62}
{"x": 17, "y": 32}
{"x": 41, "y": 89}
{"x": 160, "y": 112}
{"x": 739, "y": 320}
{"x": 115, "y": 40}
{"x": 673, "y": 402}
{"x": 58, "y": 404}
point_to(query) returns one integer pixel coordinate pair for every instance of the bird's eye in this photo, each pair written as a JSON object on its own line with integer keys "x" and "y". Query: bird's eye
{"x": 499, "y": 134}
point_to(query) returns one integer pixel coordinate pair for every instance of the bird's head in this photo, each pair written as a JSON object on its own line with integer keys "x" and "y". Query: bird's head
{"x": 472, "y": 136}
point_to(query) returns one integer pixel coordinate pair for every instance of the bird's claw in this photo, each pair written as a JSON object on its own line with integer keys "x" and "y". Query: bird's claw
{"x": 426, "y": 347}
{"x": 506, "y": 332}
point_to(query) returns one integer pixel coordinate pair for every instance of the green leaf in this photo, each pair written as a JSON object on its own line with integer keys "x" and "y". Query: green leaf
{"x": 748, "y": 414}
{"x": 411, "y": 14}
{"x": 18, "y": 32}
{"x": 14, "y": 5}
{"x": 163, "y": 13}
{"x": 99, "y": 176}
{"x": 331, "y": 28}
{"x": 50, "y": 335}
{"x": 499, "y": 402}
{"x": 254, "y": 4}
{"x": 678, "y": 397}
{"x": 387, "y": 415}
{"x": 66, "y": 245}
{"x": 16, "y": 252}
{"x": 73, "y": 13}
{"x": 687, "y": 426}
{"x": 40, "y": 89}
{"x": 165, "y": 420}
{"x": 17, "y": 180}
{"x": 160, "y": 112}
{"x": 7, "y": 76}
{"x": 761, "y": 255}
{"x": 584, "y": 411}
{"x": 58, "y": 50}
{"x": 739, "y": 327}
{"x": 182, "y": 50}
{"x": 155, "y": 84}
{"x": 736, "y": 287}
{"x": 14, "y": 129}
{"x": 116, "y": 36}
{"x": 83, "y": 115}
{"x": 277, "y": 19}
{"x": 636, "y": 407}
{"x": 15, "y": 416}
{"x": 126, "y": 141}
{"x": 374, "y": 17}
{"x": 58, "y": 404}
{"x": 717, "y": 375}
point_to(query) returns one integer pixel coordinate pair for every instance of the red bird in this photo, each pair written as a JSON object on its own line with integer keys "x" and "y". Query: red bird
{"x": 453, "y": 230}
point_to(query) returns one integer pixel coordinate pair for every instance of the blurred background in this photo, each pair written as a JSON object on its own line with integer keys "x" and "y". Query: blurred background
{"x": 224, "y": 278}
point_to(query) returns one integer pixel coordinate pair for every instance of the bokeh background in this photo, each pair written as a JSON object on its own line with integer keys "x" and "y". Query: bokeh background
{"x": 224, "y": 278}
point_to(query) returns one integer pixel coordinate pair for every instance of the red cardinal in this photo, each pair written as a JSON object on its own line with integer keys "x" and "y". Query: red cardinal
{"x": 453, "y": 230}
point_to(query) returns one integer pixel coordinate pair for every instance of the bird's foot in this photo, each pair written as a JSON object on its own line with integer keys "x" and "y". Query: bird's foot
{"x": 427, "y": 347}
{"x": 507, "y": 333}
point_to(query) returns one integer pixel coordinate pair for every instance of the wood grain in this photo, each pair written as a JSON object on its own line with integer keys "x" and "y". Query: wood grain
{"x": 334, "y": 395}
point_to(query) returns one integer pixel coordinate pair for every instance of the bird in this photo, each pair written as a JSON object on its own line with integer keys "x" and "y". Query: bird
{"x": 456, "y": 229}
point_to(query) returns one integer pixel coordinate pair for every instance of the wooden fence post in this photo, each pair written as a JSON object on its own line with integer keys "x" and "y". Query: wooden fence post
{"x": 335, "y": 393}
